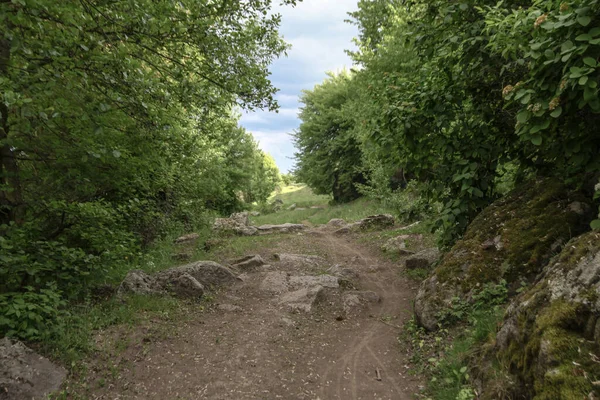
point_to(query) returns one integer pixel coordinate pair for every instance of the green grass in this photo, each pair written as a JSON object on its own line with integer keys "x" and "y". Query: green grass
{"x": 304, "y": 198}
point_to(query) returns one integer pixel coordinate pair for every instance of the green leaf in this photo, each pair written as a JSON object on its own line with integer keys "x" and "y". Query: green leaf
{"x": 536, "y": 140}
{"x": 523, "y": 116}
{"x": 584, "y": 20}
{"x": 556, "y": 113}
{"x": 583, "y": 80}
{"x": 595, "y": 225}
{"x": 589, "y": 61}
{"x": 586, "y": 37}
{"x": 116, "y": 153}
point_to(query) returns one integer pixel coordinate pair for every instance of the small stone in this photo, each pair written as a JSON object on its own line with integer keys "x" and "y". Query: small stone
{"x": 249, "y": 262}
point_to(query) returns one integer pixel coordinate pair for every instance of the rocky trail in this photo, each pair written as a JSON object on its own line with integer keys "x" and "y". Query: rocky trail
{"x": 314, "y": 315}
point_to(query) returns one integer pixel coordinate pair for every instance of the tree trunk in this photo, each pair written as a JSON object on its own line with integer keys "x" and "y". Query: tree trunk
{"x": 11, "y": 203}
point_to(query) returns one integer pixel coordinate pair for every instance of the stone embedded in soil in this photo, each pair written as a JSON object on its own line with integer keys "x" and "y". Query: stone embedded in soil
{"x": 137, "y": 282}
{"x": 336, "y": 222}
{"x": 275, "y": 282}
{"x": 353, "y": 301}
{"x": 25, "y": 374}
{"x": 344, "y": 273}
{"x": 185, "y": 286}
{"x": 396, "y": 245}
{"x": 303, "y": 299}
{"x": 300, "y": 260}
{"x": 423, "y": 259}
{"x": 327, "y": 281}
{"x": 248, "y": 262}
{"x": 208, "y": 273}
{"x": 187, "y": 238}
{"x": 283, "y": 228}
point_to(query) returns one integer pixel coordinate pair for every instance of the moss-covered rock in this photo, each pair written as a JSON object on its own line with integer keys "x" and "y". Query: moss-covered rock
{"x": 549, "y": 340}
{"x": 510, "y": 240}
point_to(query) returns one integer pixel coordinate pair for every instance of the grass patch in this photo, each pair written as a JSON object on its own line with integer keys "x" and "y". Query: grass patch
{"x": 301, "y": 195}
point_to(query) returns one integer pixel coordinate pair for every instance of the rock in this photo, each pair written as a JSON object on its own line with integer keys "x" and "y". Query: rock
{"x": 354, "y": 300}
{"x": 208, "y": 273}
{"x": 192, "y": 237}
{"x": 283, "y": 228}
{"x": 241, "y": 218}
{"x": 249, "y": 262}
{"x": 185, "y": 286}
{"x": 344, "y": 273}
{"x": 25, "y": 374}
{"x": 303, "y": 299}
{"x": 423, "y": 259}
{"x": 355, "y": 226}
{"x": 549, "y": 339}
{"x": 234, "y": 226}
{"x": 275, "y": 282}
{"x": 511, "y": 240}
{"x": 327, "y": 281}
{"x": 137, "y": 282}
{"x": 255, "y": 214}
{"x": 229, "y": 308}
{"x": 377, "y": 222}
{"x": 300, "y": 260}
{"x": 292, "y": 207}
{"x": 336, "y": 222}
{"x": 397, "y": 245}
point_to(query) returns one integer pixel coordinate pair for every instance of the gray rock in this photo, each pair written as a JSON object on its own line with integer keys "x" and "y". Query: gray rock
{"x": 137, "y": 282}
{"x": 344, "y": 273}
{"x": 336, "y": 222}
{"x": 228, "y": 225}
{"x": 353, "y": 227}
{"x": 327, "y": 281}
{"x": 185, "y": 286}
{"x": 192, "y": 237}
{"x": 353, "y": 301}
{"x": 377, "y": 222}
{"x": 292, "y": 207}
{"x": 283, "y": 228}
{"x": 423, "y": 259}
{"x": 397, "y": 245}
{"x": 302, "y": 299}
{"x": 249, "y": 262}
{"x": 25, "y": 374}
{"x": 208, "y": 273}
{"x": 300, "y": 260}
{"x": 241, "y": 218}
{"x": 275, "y": 282}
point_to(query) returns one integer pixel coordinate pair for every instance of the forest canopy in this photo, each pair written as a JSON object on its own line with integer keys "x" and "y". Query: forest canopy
{"x": 119, "y": 125}
{"x": 459, "y": 97}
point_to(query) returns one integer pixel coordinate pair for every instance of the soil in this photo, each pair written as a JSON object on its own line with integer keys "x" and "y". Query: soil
{"x": 246, "y": 345}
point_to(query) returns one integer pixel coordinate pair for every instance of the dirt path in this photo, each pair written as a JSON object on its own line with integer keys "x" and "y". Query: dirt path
{"x": 249, "y": 346}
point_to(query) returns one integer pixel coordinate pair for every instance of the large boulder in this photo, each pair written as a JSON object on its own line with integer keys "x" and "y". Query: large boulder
{"x": 25, "y": 374}
{"x": 137, "y": 282}
{"x": 511, "y": 240}
{"x": 549, "y": 341}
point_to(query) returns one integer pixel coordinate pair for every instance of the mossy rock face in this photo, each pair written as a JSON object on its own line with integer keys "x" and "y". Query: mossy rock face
{"x": 510, "y": 240}
{"x": 549, "y": 341}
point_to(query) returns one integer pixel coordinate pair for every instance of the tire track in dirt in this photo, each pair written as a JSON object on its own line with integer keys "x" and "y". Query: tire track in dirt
{"x": 360, "y": 350}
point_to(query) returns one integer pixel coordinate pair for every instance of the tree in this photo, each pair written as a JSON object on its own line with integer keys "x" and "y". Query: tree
{"x": 329, "y": 156}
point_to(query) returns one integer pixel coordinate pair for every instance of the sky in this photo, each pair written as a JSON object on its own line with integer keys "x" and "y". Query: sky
{"x": 318, "y": 35}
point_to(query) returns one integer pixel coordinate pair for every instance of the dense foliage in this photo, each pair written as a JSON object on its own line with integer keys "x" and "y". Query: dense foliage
{"x": 117, "y": 125}
{"x": 455, "y": 94}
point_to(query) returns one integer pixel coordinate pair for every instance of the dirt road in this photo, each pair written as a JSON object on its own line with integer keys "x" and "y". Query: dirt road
{"x": 249, "y": 345}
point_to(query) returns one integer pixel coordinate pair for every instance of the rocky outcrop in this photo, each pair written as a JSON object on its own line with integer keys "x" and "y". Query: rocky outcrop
{"x": 423, "y": 259}
{"x": 372, "y": 222}
{"x": 249, "y": 262}
{"x": 511, "y": 240}
{"x": 283, "y": 228}
{"x": 25, "y": 374}
{"x": 186, "y": 281}
{"x": 549, "y": 340}
{"x": 236, "y": 224}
